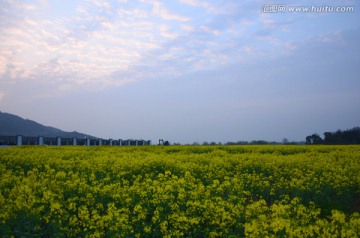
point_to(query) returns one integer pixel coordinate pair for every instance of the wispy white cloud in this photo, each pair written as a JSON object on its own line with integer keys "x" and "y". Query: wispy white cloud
{"x": 165, "y": 32}
{"x": 160, "y": 11}
{"x": 20, "y": 5}
{"x": 90, "y": 46}
{"x": 195, "y": 3}
{"x": 117, "y": 42}
{"x": 101, "y": 3}
{"x": 82, "y": 56}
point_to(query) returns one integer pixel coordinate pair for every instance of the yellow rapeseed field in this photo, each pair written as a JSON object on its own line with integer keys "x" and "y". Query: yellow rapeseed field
{"x": 180, "y": 191}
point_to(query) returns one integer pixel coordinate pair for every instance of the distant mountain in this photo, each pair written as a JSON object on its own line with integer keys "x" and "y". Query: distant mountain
{"x": 12, "y": 125}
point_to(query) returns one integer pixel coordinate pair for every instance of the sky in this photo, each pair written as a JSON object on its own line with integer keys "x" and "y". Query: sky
{"x": 182, "y": 70}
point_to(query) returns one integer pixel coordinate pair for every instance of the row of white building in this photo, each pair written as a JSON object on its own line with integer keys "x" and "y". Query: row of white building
{"x": 20, "y": 140}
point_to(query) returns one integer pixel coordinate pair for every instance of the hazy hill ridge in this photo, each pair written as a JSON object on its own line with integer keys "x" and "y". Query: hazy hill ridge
{"x": 11, "y": 125}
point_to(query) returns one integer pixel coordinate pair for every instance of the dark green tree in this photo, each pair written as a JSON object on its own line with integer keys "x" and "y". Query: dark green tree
{"x": 314, "y": 139}
{"x": 339, "y": 137}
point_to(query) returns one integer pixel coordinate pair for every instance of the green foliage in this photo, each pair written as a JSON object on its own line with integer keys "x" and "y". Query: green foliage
{"x": 180, "y": 191}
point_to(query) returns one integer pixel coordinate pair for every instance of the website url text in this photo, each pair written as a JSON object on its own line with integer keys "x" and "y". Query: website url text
{"x": 281, "y": 8}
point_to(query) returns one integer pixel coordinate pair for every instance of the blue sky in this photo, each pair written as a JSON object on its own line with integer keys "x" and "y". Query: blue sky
{"x": 181, "y": 70}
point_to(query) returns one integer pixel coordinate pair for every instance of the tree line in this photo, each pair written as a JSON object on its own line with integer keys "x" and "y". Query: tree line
{"x": 350, "y": 136}
{"x": 346, "y": 137}
{"x": 254, "y": 142}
